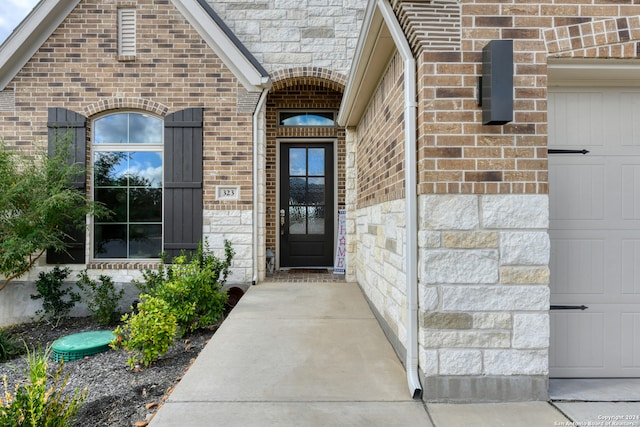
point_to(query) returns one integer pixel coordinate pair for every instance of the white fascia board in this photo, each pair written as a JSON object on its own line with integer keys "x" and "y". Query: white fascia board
{"x": 30, "y": 35}
{"x": 373, "y": 51}
{"x": 240, "y": 66}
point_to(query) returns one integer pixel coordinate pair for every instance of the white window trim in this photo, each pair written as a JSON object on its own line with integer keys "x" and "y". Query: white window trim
{"x": 96, "y": 148}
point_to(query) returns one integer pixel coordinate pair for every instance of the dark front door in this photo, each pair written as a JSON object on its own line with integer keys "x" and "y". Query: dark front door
{"x": 306, "y": 205}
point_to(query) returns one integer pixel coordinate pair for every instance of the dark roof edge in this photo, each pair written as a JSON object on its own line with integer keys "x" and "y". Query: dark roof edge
{"x": 236, "y": 41}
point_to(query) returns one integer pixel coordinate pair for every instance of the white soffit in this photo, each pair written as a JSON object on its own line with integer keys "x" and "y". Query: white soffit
{"x": 29, "y": 36}
{"x": 373, "y": 52}
{"x": 595, "y": 72}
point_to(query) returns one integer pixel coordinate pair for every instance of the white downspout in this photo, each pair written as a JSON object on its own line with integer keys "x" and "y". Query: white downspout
{"x": 256, "y": 216}
{"x": 411, "y": 196}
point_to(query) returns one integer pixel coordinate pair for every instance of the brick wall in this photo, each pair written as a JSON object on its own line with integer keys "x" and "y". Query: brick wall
{"x": 456, "y": 153}
{"x": 380, "y": 141}
{"x": 78, "y": 68}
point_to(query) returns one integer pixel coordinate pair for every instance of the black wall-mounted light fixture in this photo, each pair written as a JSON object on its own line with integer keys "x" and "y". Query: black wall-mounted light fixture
{"x": 495, "y": 87}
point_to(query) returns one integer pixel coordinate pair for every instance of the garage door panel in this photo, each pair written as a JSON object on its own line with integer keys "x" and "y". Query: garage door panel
{"x": 630, "y": 340}
{"x": 595, "y": 266}
{"x": 630, "y": 249}
{"x": 581, "y": 185}
{"x": 577, "y": 265}
{"x": 630, "y": 188}
{"x": 575, "y": 118}
{"x": 577, "y": 340}
{"x": 629, "y": 123}
{"x": 602, "y": 339}
{"x": 595, "y": 232}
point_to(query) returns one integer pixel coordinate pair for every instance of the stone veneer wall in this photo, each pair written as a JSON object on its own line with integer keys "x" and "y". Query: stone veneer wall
{"x": 483, "y": 242}
{"x": 483, "y": 291}
{"x": 237, "y": 227}
{"x": 484, "y": 297}
{"x": 379, "y": 265}
{"x": 285, "y": 34}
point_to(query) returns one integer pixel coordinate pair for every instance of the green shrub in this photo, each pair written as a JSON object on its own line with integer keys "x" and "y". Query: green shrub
{"x": 192, "y": 286}
{"x": 57, "y": 301}
{"x": 36, "y": 403}
{"x": 193, "y": 295}
{"x": 153, "y": 279}
{"x": 9, "y": 347}
{"x": 147, "y": 333}
{"x": 102, "y": 298}
{"x": 177, "y": 298}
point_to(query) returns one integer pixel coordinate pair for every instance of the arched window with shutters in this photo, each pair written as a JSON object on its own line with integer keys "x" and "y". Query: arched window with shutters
{"x": 145, "y": 168}
{"x": 128, "y": 179}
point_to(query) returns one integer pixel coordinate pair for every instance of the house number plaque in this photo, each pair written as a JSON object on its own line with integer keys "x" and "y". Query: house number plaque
{"x": 224, "y": 192}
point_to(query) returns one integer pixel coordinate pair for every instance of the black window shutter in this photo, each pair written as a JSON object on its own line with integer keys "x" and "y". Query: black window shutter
{"x": 63, "y": 123}
{"x": 182, "y": 181}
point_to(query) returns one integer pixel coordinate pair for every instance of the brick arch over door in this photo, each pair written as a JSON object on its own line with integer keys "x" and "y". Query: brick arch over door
{"x": 126, "y": 104}
{"x": 603, "y": 38}
{"x": 301, "y": 88}
{"x": 316, "y": 76}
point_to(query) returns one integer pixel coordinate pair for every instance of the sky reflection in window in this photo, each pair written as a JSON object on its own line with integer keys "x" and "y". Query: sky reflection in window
{"x": 128, "y": 128}
{"x": 121, "y": 168}
{"x": 319, "y": 118}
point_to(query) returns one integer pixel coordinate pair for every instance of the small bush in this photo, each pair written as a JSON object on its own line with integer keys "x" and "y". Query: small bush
{"x": 192, "y": 286}
{"x": 9, "y": 347}
{"x": 102, "y": 298}
{"x": 153, "y": 279}
{"x": 57, "y": 301}
{"x": 177, "y": 298}
{"x": 36, "y": 403}
{"x": 147, "y": 333}
{"x": 193, "y": 295}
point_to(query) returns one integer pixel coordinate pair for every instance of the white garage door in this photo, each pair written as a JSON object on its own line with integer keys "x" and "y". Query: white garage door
{"x": 595, "y": 232}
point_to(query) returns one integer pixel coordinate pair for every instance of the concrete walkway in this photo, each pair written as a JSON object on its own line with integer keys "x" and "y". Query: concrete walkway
{"x": 311, "y": 354}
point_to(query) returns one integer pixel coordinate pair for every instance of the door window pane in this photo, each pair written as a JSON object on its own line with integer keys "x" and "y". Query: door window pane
{"x": 306, "y": 190}
{"x": 316, "y": 161}
{"x": 297, "y": 220}
{"x": 297, "y": 191}
{"x": 297, "y": 161}
{"x": 316, "y": 219}
{"x": 316, "y": 190}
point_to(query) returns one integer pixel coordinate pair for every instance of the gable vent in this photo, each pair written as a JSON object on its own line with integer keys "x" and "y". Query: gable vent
{"x": 126, "y": 32}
